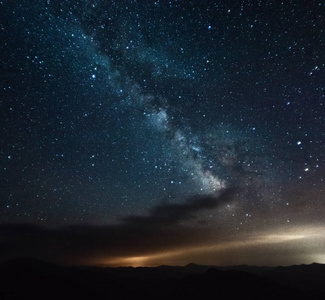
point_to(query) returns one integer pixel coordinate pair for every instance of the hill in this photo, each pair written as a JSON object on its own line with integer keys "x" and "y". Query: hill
{"x": 30, "y": 278}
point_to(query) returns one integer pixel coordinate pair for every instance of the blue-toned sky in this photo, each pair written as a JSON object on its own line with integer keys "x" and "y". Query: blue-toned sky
{"x": 150, "y": 132}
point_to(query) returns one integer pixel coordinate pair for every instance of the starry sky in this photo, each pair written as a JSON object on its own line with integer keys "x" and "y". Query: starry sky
{"x": 163, "y": 132}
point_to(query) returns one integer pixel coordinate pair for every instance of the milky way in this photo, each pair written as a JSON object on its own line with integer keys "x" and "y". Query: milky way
{"x": 114, "y": 110}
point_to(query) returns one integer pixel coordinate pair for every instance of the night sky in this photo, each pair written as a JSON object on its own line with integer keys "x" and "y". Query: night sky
{"x": 163, "y": 132}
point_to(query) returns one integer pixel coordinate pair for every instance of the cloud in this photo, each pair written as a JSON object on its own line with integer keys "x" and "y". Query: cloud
{"x": 159, "y": 231}
{"x": 169, "y": 214}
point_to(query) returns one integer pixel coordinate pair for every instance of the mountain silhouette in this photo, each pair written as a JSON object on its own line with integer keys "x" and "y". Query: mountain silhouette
{"x": 32, "y": 278}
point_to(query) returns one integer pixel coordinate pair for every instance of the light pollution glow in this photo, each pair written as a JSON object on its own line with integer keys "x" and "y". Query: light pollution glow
{"x": 300, "y": 245}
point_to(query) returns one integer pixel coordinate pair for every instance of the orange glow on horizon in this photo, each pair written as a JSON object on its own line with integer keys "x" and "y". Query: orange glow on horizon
{"x": 243, "y": 251}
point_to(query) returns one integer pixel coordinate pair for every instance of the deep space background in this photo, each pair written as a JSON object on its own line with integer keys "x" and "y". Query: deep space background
{"x": 162, "y": 132}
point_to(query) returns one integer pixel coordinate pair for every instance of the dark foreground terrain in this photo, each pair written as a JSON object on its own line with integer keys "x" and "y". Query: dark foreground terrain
{"x": 33, "y": 279}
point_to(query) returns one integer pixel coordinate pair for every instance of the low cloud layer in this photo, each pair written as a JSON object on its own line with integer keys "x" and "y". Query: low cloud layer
{"x": 137, "y": 235}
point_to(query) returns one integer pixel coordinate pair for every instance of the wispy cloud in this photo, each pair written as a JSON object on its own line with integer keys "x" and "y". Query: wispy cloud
{"x": 169, "y": 214}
